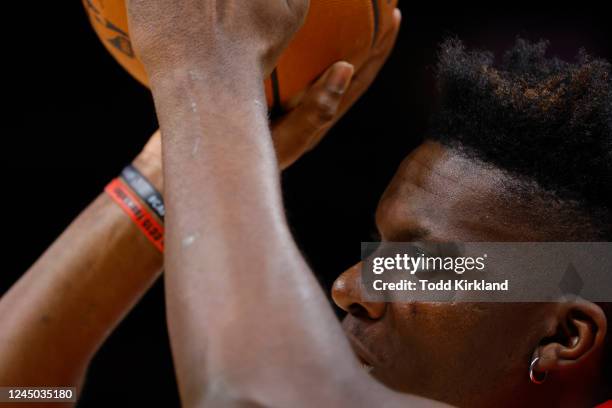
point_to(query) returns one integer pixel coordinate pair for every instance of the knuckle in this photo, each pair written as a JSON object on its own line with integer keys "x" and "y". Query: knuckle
{"x": 325, "y": 107}
{"x": 300, "y": 9}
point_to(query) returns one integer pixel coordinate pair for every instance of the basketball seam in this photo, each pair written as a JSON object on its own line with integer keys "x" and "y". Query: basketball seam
{"x": 376, "y": 12}
{"x": 276, "y": 99}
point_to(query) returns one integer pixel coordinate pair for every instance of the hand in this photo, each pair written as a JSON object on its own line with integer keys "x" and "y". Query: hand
{"x": 304, "y": 127}
{"x": 300, "y": 130}
{"x": 170, "y": 33}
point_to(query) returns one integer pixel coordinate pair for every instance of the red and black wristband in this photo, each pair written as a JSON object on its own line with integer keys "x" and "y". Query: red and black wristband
{"x": 144, "y": 189}
{"x": 139, "y": 199}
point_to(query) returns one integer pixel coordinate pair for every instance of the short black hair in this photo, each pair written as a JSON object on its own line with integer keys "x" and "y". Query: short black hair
{"x": 539, "y": 118}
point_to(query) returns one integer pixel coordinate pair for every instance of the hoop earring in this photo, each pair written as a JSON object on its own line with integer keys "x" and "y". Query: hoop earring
{"x": 532, "y": 375}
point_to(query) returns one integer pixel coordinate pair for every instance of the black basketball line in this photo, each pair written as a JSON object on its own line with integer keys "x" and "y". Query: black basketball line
{"x": 376, "y": 22}
{"x": 276, "y": 109}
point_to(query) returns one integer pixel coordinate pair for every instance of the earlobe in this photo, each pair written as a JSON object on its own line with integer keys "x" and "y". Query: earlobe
{"x": 581, "y": 331}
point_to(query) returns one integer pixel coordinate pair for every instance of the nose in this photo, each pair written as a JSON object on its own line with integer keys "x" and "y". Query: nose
{"x": 348, "y": 295}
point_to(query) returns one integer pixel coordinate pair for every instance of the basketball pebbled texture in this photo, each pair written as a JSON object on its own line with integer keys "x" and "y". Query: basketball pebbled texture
{"x": 334, "y": 30}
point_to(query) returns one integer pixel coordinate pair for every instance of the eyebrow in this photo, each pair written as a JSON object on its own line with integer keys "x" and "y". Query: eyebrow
{"x": 412, "y": 235}
{"x": 407, "y": 235}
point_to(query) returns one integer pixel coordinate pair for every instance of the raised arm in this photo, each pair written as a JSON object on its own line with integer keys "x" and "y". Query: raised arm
{"x": 248, "y": 322}
{"x": 59, "y": 313}
{"x": 56, "y": 316}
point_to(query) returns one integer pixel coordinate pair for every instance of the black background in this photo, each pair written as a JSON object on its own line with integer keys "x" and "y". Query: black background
{"x": 72, "y": 118}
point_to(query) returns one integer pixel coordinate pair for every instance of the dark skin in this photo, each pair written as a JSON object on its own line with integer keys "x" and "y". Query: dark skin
{"x": 85, "y": 288}
{"x": 297, "y": 356}
{"x": 230, "y": 250}
{"x": 471, "y": 354}
{"x": 81, "y": 287}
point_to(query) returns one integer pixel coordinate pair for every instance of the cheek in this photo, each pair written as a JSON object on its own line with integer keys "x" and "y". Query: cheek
{"x": 470, "y": 346}
{"x": 421, "y": 340}
{"x": 429, "y": 338}
{"x": 429, "y": 327}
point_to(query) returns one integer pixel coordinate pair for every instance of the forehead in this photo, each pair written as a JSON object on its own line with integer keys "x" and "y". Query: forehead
{"x": 439, "y": 194}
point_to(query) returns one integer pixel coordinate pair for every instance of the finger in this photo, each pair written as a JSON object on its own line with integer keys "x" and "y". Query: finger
{"x": 378, "y": 56}
{"x": 386, "y": 23}
{"x": 302, "y": 128}
{"x": 387, "y": 37}
{"x": 289, "y": 143}
{"x": 370, "y": 69}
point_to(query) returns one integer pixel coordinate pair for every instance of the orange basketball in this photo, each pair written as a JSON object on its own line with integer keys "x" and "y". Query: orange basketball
{"x": 334, "y": 30}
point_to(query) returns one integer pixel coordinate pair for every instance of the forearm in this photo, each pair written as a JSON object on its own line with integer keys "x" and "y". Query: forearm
{"x": 57, "y": 315}
{"x": 230, "y": 253}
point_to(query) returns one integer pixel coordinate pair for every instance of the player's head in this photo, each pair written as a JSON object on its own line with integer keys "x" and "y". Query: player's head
{"x": 521, "y": 151}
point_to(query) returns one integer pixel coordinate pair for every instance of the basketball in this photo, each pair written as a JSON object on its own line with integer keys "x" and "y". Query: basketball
{"x": 334, "y": 30}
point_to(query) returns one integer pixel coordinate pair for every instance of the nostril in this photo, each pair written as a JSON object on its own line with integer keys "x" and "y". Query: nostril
{"x": 358, "y": 311}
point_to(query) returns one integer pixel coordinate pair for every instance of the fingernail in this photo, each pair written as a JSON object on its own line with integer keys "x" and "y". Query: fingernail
{"x": 397, "y": 14}
{"x": 340, "y": 78}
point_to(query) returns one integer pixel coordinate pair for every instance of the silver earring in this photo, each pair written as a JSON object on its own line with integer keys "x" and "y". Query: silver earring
{"x": 532, "y": 376}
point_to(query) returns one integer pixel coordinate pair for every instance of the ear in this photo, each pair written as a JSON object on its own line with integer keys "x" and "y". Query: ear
{"x": 580, "y": 334}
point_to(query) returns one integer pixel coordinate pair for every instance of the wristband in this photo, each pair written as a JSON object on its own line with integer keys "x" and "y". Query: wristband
{"x": 119, "y": 191}
{"x": 145, "y": 190}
